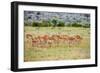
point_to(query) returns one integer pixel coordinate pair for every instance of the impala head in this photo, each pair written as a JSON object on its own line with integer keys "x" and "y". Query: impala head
{"x": 78, "y": 37}
{"x": 29, "y": 36}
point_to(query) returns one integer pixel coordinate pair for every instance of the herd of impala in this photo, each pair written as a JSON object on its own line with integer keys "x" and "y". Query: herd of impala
{"x": 46, "y": 41}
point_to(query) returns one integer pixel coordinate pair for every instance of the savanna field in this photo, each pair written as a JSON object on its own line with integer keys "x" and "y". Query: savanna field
{"x": 65, "y": 47}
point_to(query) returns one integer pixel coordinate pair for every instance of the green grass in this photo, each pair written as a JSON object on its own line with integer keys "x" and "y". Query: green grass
{"x": 80, "y": 51}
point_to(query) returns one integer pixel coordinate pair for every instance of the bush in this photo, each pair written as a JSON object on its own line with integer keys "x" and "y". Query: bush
{"x": 74, "y": 25}
{"x": 26, "y": 24}
{"x": 36, "y": 24}
{"x": 86, "y": 26}
{"x": 61, "y": 23}
{"x": 45, "y": 24}
{"x": 78, "y": 25}
{"x": 49, "y": 23}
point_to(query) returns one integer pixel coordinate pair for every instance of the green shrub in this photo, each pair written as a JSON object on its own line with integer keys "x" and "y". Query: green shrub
{"x": 74, "y": 25}
{"x": 78, "y": 25}
{"x": 36, "y": 24}
{"x": 44, "y": 23}
{"x": 86, "y": 26}
{"x": 61, "y": 23}
{"x": 26, "y": 24}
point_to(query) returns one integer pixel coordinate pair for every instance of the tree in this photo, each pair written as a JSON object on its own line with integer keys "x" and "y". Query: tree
{"x": 54, "y": 21}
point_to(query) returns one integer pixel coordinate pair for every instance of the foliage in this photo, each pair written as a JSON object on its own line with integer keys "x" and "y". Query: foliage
{"x": 86, "y": 26}
{"x": 36, "y": 24}
{"x": 78, "y": 25}
{"x": 61, "y": 23}
{"x": 74, "y": 25}
{"x": 26, "y": 24}
{"x": 45, "y": 23}
{"x": 55, "y": 23}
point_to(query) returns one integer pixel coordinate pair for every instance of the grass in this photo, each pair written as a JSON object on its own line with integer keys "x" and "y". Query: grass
{"x": 63, "y": 52}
